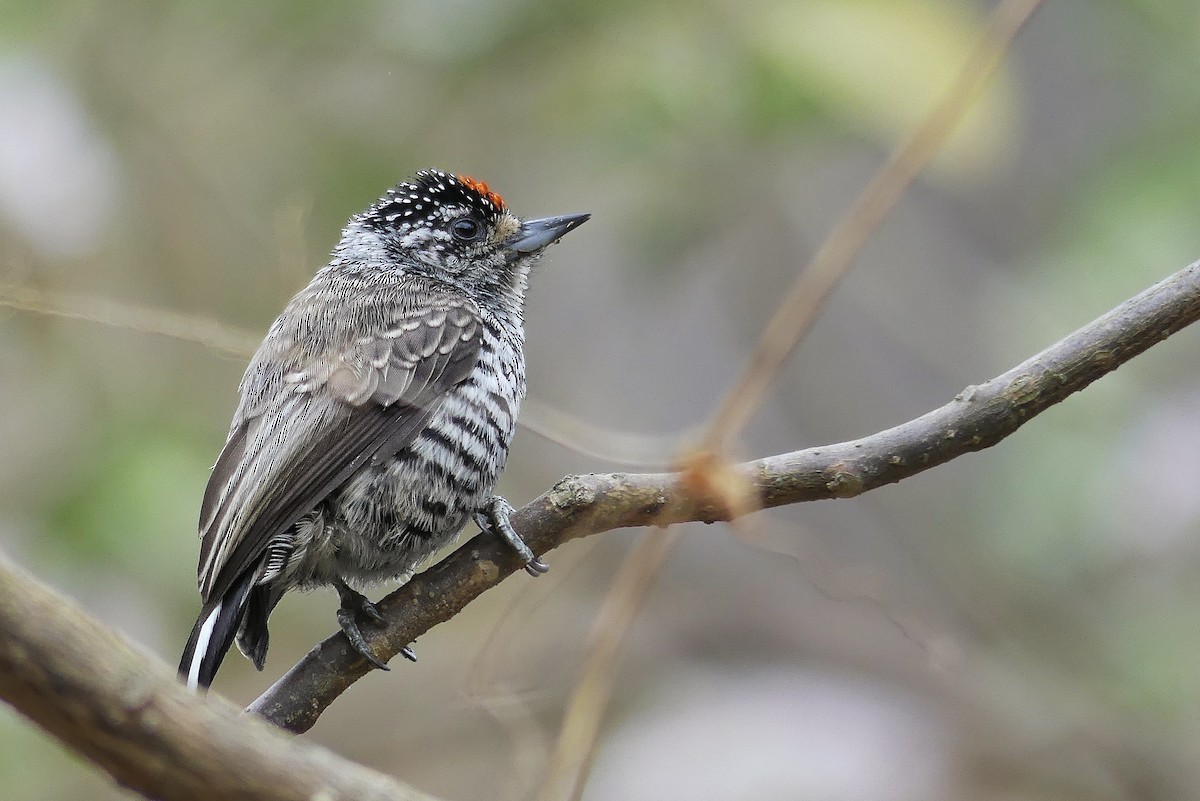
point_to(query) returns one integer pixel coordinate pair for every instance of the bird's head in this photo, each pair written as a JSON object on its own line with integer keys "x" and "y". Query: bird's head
{"x": 453, "y": 229}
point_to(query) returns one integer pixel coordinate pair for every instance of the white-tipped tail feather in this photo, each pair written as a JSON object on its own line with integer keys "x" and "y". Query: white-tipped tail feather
{"x": 214, "y": 632}
{"x": 202, "y": 642}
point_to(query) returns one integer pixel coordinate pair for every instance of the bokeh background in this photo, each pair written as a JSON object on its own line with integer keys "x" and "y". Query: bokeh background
{"x": 1023, "y": 623}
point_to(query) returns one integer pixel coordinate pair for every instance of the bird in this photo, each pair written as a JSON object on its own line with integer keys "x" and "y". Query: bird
{"x": 375, "y": 418}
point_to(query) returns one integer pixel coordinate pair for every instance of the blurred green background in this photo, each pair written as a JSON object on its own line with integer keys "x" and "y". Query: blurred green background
{"x": 1021, "y": 623}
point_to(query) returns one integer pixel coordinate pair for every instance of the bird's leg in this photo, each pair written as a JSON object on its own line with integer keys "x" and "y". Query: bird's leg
{"x": 354, "y": 607}
{"x": 494, "y": 518}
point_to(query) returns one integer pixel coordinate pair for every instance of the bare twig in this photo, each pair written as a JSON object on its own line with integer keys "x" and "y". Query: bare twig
{"x": 116, "y": 314}
{"x": 640, "y": 450}
{"x": 977, "y": 418}
{"x": 707, "y": 470}
{"x": 576, "y": 745}
{"x": 611, "y": 445}
{"x": 837, "y": 253}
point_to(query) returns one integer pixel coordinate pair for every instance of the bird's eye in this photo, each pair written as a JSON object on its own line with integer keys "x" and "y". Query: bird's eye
{"x": 466, "y": 229}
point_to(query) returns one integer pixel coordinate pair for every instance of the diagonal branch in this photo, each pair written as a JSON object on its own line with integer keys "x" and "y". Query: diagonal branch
{"x": 977, "y": 418}
{"x": 87, "y": 686}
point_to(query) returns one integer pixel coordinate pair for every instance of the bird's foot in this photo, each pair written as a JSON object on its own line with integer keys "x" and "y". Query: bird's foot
{"x": 494, "y": 517}
{"x": 354, "y": 608}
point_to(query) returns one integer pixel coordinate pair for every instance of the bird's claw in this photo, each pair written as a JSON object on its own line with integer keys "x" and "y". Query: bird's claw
{"x": 355, "y": 606}
{"x": 494, "y": 517}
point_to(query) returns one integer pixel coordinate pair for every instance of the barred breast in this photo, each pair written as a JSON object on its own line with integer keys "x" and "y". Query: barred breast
{"x": 390, "y": 517}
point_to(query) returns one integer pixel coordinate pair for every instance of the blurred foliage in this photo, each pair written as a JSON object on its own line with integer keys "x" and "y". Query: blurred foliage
{"x": 126, "y": 508}
{"x": 1028, "y": 612}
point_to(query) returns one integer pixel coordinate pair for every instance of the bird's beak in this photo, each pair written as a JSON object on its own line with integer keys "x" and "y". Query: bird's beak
{"x": 537, "y": 234}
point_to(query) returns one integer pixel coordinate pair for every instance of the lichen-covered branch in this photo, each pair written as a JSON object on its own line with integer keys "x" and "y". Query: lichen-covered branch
{"x": 977, "y": 418}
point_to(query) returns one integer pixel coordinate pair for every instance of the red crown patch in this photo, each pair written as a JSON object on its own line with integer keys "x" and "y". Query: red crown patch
{"x": 482, "y": 189}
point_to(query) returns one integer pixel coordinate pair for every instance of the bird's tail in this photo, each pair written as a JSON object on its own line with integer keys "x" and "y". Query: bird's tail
{"x": 213, "y": 633}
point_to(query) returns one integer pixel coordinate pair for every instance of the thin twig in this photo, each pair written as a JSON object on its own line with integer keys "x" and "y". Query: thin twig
{"x": 706, "y": 470}
{"x": 839, "y": 250}
{"x": 588, "y": 439}
{"x": 643, "y": 451}
{"x": 208, "y": 333}
{"x": 576, "y": 745}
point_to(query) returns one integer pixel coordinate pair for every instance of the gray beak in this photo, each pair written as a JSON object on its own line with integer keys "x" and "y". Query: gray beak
{"x": 537, "y": 234}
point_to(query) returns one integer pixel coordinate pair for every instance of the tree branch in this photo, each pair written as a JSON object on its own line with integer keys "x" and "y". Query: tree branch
{"x": 977, "y": 418}
{"x": 128, "y": 713}
{"x": 87, "y": 686}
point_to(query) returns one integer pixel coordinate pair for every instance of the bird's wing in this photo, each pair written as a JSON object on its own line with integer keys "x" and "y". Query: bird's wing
{"x": 323, "y": 421}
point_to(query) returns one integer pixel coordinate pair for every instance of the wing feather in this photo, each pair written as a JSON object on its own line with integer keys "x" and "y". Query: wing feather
{"x": 324, "y": 419}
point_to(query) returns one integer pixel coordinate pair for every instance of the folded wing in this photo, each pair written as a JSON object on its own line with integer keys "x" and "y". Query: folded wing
{"x": 321, "y": 422}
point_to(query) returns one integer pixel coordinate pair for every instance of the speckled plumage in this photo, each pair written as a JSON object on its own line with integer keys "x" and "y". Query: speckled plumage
{"x": 376, "y": 416}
